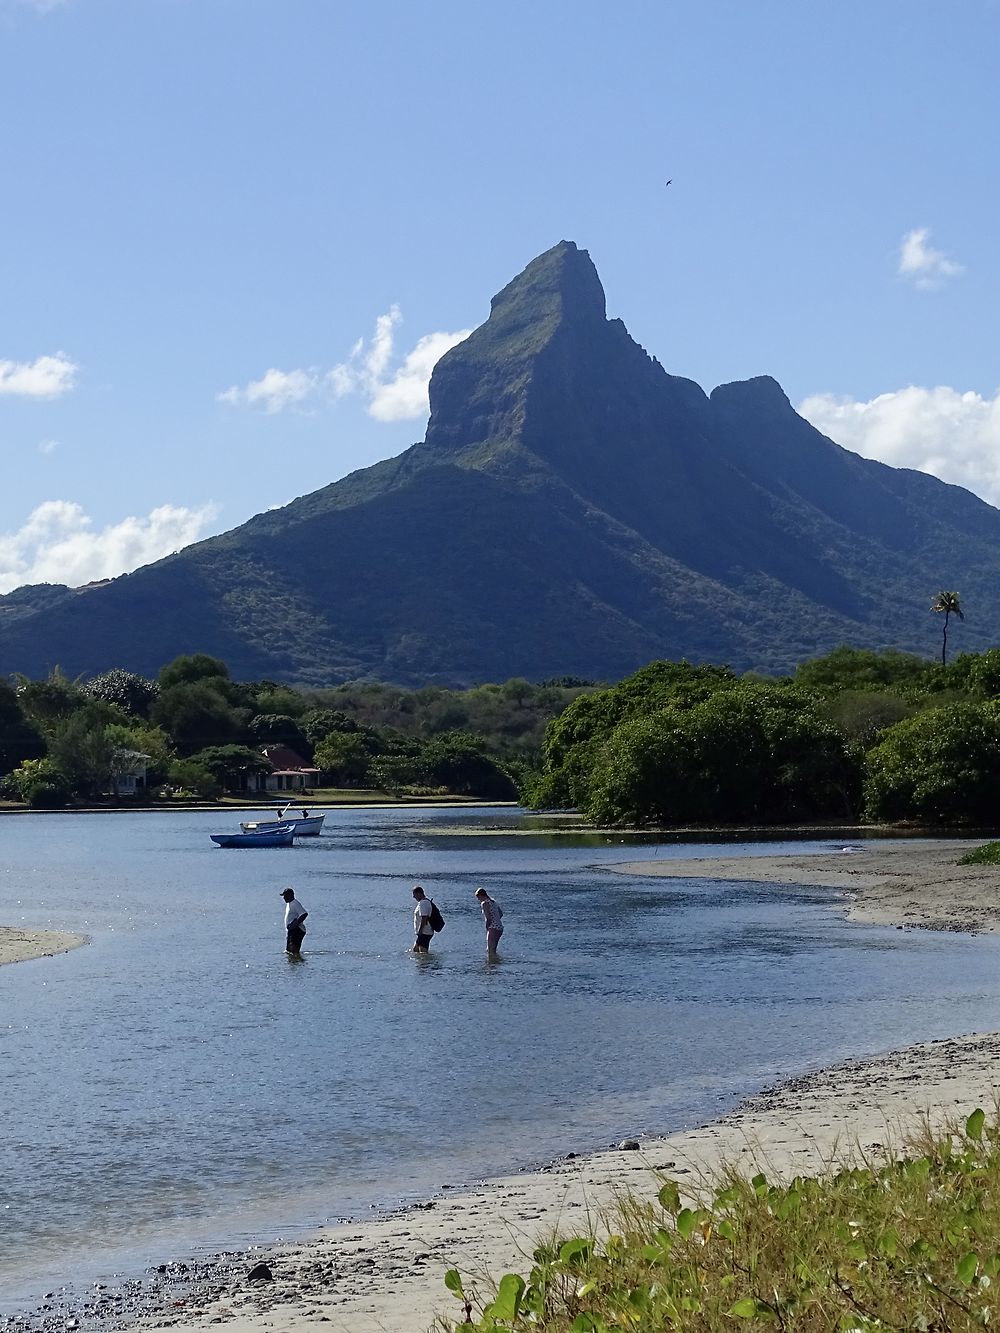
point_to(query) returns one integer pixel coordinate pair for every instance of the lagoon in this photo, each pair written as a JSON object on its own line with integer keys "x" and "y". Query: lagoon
{"x": 180, "y": 1083}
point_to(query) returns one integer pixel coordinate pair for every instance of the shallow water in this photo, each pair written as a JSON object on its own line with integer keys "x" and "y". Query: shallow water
{"x": 180, "y": 1082}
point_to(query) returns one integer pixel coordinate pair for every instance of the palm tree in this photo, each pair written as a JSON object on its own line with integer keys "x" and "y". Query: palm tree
{"x": 946, "y": 602}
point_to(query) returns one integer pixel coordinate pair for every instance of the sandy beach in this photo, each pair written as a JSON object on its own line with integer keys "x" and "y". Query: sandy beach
{"x": 385, "y": 1275}
{"x": 18, "y": 946}
{"x": 902, "y": 884}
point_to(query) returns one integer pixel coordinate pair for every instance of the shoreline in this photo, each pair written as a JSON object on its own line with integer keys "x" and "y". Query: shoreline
{"x": 385, "y": 1274}
{"x": 21, "y": 946}
{"x": 914, "y": 884}
{"x": 209, "y": 807}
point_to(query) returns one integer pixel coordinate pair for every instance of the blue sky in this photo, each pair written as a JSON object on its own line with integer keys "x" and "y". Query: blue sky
{"x": 199, "y": 192}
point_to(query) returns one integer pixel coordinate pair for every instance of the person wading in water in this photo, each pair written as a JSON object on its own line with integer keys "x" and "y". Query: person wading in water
{"x": 295, "y": 916}
{"x": 493, "y": 916}
{"x": 422, "y": 928}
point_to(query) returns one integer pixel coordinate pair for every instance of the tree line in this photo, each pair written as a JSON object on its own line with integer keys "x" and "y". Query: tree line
{"x": 201, "y": 732}
{"x": 854, "y": 734}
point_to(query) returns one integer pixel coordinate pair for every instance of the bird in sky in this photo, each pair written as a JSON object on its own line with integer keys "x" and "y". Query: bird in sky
{"x": 670, "y": 181}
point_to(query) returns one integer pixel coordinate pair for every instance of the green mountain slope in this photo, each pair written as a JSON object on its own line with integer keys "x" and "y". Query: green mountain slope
{"x": 572, "y": 509}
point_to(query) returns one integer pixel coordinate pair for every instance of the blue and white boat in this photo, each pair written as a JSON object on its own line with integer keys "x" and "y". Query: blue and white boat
{"x": 280, "y": 835}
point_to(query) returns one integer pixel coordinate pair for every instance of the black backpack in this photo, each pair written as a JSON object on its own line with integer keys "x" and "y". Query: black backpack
{"x": 435, "y": 918}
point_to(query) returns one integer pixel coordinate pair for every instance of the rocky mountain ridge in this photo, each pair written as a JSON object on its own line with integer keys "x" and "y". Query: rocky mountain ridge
{"x": 573, "y": 509}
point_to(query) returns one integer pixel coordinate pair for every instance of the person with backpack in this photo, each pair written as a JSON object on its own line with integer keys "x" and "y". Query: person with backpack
{"x": 427, "y": 921}
{"x": 493, "y": 916}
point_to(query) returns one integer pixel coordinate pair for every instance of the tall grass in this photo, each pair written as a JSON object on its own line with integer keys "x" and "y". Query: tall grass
{"x": 911, "y": 1243}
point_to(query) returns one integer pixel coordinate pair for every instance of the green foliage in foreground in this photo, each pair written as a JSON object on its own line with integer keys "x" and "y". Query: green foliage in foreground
{"x": 913, "y": 1244}
{"x": 987, "y": 855}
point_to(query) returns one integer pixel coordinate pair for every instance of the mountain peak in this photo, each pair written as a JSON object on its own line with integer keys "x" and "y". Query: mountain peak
{"x": 562, "y": 282}
{"x": 477, "y": 389}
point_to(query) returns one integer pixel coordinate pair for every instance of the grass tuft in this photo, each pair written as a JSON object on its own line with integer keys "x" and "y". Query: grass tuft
{"x": 987, "y": 855}
{"x": 913, "y": 1243}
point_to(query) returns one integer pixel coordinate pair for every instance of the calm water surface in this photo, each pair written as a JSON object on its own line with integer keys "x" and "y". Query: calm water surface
{"x": 180, "y": 1082}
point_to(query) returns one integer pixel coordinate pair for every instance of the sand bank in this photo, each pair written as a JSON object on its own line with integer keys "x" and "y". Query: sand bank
{"x": 17, "y": 946}
{"x": 901, "y": 884}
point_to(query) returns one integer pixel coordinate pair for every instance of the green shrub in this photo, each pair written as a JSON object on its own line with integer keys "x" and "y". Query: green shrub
{"x": 34, "y": 773}
{"x": 749, "y": 752}
{"x": 188, "y": 775}
{"x": 987, "y": 855}
{"x": 911, "y": 1244}
{"x": 49, "y": 794}
{"x": 940, "y": 767}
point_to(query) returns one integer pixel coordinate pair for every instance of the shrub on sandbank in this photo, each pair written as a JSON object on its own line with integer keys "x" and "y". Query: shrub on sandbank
{"x": 913, "y": 1243}
{"x": 987, "y": 855}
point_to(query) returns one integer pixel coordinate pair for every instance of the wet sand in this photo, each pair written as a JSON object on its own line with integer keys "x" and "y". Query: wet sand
{"x": 902, "y": 884}
{"x": 18, "y": 946}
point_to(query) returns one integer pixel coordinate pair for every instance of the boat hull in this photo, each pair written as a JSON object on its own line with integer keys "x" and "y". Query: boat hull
{"x": 282, "y": 837}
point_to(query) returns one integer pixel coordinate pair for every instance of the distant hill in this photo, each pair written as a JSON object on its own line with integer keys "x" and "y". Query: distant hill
{"x": 573, "y": 509}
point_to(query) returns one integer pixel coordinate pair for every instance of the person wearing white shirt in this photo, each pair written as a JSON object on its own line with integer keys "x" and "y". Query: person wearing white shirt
{"x": 422, "y": 928}
{"x": 295, "y": 917}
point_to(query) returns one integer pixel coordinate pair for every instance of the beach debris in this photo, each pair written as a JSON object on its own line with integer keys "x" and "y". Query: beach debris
{"x": 260, "y": 1273}
{"x": 629, "y": 1145}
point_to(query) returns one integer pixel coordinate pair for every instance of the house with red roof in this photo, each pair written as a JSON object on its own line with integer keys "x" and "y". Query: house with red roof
{"x": 289, "y": 771}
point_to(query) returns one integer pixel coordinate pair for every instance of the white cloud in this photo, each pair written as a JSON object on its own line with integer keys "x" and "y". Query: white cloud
{"x": 390, "y": 394}
{"x": 47, "y": 446}
{"x": 45, "y": 377}
{"x": 274, "y": 391}
{"x": 921, "y": 263}
{"x": 954, "y": 436}
{"x": 404, "y": 396}
{"x": 59, "y": 543}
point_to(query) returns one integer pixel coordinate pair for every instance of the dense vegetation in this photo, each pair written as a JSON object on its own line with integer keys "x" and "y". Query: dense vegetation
{"x": 912, "y": 1244}
{"x": 855, "y": 734}
{"x": 885, "y": 736}
{"x": 202, "y": 732}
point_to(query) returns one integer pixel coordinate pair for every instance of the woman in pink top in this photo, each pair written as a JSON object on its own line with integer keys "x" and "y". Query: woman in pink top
{"x": 493, "y": 916}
